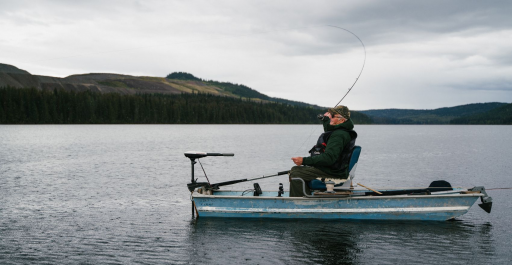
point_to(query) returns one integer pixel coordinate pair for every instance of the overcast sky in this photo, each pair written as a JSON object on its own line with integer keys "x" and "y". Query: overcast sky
{"x": 419, "y": 54}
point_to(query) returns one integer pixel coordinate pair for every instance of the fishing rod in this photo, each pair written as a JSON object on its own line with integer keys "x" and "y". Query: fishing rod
{"x": 192, "y": 186}
{"x": 217, "y": 185}
{"x": 362, "y": 68}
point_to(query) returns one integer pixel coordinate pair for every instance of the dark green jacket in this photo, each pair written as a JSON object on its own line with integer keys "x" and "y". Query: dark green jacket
{"x": 337, "y": 141}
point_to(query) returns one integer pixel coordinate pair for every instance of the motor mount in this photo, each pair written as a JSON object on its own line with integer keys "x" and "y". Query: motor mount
{"x": 486, "y": 200}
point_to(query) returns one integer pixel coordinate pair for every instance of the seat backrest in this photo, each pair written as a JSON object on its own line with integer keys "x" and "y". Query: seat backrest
{"x": 352, "y": 166}
{"x": 354, "y": 157}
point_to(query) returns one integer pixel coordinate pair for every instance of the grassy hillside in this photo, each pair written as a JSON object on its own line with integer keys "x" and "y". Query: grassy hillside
{"x": 236, "y": 89}
{"x": 500, "y": 115}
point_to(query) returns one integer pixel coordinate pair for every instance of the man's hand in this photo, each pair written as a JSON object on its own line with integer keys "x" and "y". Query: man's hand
{"x": 328, "y": 114}
{"x": 297, "y": 160}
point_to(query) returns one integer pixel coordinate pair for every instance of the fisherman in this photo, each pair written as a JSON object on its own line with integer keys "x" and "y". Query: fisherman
{"x": 330, "y": 156}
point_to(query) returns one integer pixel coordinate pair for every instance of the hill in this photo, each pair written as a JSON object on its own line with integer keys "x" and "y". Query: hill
{"x": 238, "y": 89}
{"x": 175, "y": 83}
{"x": 27, "y": 107}
{"x": 5, "y": 68}
{"x": 500, "y": 115}
{"x": 101, "y": 82}
{"x": 434, "y": 116}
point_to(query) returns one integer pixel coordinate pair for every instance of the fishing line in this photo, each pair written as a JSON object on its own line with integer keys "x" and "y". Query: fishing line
{"x": 362, "y": 68}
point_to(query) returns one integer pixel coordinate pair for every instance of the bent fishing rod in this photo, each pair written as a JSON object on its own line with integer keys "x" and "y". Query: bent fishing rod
{"x": 321, "y": 116}
{"x": 362, "y": 68}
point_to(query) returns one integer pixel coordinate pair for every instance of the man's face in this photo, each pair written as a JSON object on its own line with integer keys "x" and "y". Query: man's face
{"x": 337, "y": 119}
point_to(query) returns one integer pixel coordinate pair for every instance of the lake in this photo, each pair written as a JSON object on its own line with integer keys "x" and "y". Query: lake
{"x": 116, "y": 194}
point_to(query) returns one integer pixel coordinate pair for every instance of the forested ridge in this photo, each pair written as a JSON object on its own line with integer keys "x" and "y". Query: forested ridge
{"x": 33, "y": 106}
{"x": 500, "y": 115}
{"x": 447, "y": 115}
{"x": 143, "y": 99}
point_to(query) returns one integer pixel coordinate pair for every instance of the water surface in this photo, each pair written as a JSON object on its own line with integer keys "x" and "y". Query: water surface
{"x": 98, "y": 194}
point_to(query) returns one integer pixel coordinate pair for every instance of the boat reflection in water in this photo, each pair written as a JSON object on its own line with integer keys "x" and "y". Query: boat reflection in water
{"x": 264, "y": 241}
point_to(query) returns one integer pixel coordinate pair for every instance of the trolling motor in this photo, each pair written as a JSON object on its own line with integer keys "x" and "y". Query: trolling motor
{"x": 208, "y": 188}
{"x": 193, "y": 155}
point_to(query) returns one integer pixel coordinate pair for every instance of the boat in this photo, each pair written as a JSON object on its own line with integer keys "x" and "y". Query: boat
{"x": 438, "y": 202}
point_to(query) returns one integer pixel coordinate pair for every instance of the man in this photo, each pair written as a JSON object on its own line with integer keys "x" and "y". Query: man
{"x": 329, "y": 157}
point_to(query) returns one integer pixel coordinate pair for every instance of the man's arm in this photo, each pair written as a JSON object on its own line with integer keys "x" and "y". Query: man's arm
{"x": 332, "y": 152}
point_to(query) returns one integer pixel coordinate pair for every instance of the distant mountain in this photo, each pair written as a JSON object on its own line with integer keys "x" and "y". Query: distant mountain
{"x": 100, "y": 82}
{"x": 175, "y": 83}
{"x": 434, "y": 116}
{"x": 499, "y": 115}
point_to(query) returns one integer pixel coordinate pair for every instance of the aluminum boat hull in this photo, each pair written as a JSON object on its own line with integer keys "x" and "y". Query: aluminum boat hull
{"x": 435, "y": 207}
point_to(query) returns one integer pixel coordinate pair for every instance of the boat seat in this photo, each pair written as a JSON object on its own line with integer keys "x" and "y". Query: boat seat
{"x": 317, "y": 184}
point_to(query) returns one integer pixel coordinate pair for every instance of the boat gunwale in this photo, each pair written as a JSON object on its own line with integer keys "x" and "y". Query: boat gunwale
{"x": 349, "y": 197}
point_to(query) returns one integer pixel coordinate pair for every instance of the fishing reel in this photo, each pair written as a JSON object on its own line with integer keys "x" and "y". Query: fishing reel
{"x": 322, "y": 117}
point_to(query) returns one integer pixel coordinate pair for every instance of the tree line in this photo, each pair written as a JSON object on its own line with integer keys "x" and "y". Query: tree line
{"x": 500, "y": 115}
{"x": 33, "y": 106}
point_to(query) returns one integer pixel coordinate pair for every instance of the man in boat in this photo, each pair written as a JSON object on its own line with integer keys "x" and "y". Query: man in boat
{"x": 330, "y": 156}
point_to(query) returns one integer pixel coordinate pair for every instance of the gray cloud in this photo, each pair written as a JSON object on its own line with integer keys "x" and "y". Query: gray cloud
{"x": 282, "y": 48}
{"x": 501, "y": 84}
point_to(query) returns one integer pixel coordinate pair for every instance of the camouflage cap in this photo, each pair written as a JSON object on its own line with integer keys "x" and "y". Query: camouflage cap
{"x": 341, "y": 110}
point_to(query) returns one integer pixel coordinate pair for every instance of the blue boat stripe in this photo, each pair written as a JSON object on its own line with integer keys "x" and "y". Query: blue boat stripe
{"x": 367, "y": 210}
